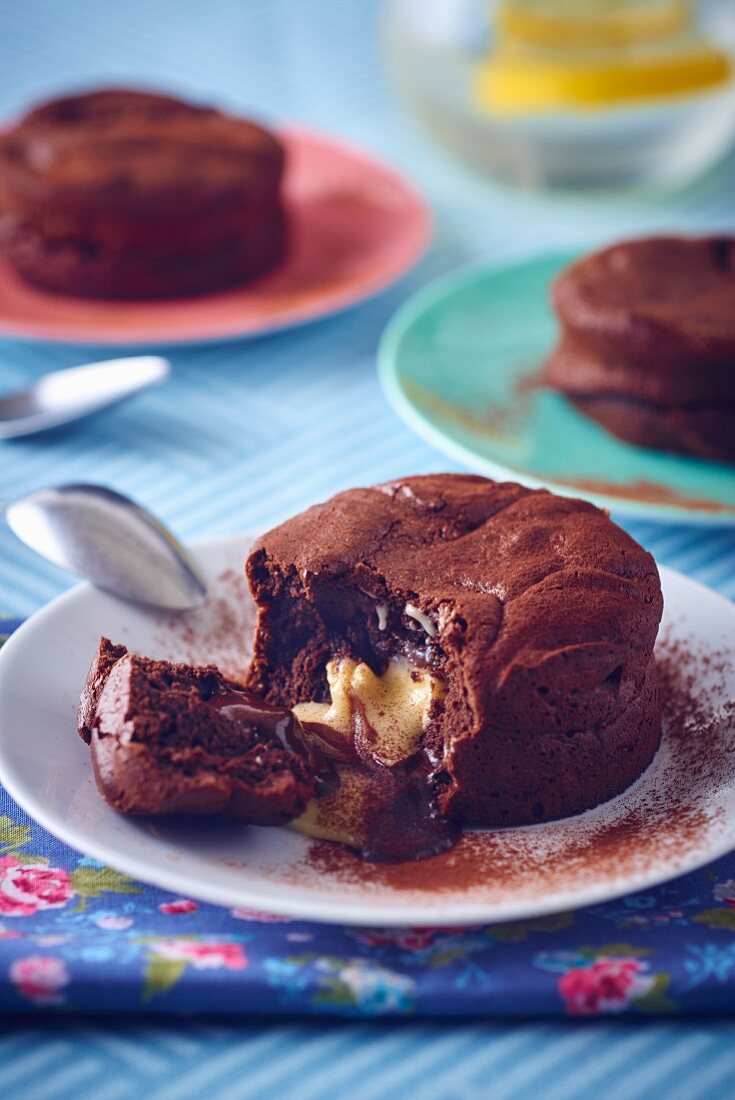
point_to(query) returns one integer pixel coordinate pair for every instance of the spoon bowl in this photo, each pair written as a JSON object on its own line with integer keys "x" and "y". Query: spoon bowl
{"x": 104, "y": 536}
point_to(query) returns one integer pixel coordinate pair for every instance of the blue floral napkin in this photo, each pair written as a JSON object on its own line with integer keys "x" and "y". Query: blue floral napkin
{"x": 76, "y": 935}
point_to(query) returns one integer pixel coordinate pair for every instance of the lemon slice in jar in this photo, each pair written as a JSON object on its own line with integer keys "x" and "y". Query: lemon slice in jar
{"x": 590, "y": 23}
{"x": 598, "y": 55}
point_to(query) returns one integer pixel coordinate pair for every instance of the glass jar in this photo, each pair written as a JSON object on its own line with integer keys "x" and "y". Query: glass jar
{"x": 580, "y": 93}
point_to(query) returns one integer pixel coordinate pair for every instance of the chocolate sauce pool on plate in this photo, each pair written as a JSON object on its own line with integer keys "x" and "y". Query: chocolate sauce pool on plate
{"x": 397, "y": 820}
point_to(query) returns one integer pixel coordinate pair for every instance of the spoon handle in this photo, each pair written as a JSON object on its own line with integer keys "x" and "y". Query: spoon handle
{"x": 70, "y": 394}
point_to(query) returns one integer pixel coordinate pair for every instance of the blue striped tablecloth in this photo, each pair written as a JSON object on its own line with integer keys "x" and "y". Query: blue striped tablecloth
{"x": 297, "y": 1060}
{"x": 249, "y": 432}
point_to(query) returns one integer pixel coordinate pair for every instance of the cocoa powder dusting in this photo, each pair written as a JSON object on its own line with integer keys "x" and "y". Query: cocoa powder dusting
{"x": 219, "y": 633}
{"x": 646, "y": 492}
{"x": 505, "y": 422}
{"x": 501, "y": 421}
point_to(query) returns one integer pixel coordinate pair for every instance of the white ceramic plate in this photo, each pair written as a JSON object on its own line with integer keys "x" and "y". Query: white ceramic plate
{"x": 678, "y": 816}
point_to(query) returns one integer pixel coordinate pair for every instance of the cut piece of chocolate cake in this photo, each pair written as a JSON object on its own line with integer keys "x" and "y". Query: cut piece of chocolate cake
{"x": 171, "y": 738}
{"x": 106, "y": 656}
{"x": 534, "y": 617}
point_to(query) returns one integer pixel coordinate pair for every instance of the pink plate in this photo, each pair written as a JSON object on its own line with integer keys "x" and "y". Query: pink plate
{"x": 356, "y": 226}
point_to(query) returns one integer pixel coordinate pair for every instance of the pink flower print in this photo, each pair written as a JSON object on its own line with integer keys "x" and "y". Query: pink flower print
{"x": 408, "y": 939}
{"x": 606, "y": 985}
{"x": 203, "y": 956}
{"x": 40, "y": 978}
{"x": 111, "y": 923}
{"x": 179, "y": 905}
{"x": 27, "y": 888}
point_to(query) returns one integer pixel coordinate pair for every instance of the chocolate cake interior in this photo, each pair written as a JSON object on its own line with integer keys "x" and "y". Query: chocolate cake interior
{"x": 354, "y": 616}
{"x": 169, "y": 738}
{"x": 365, "y": 671}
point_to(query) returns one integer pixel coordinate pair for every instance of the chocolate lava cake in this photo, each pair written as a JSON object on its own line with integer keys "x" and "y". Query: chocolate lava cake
{"x": 527, "y": 620}
{"x": 168, "y": 739}
{"x": 647, "y": 343}
{"x": 126, "y": 194}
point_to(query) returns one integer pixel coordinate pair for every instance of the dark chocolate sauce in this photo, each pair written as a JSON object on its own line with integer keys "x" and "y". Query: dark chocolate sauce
{"x": 276, "y": 723}
{"x": 419, "y": 650}
{"x": 401, "y": 821}
{"x": 329, "y": 741}
{"x": 279, "y": 725}
{"x": 404, "y": 822}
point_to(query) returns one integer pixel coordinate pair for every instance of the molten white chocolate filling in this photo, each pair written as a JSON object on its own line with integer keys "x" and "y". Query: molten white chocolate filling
{"x": 341, "y": 815}
{"x": 396, "y": 709}
{"x": 395, "y": 705}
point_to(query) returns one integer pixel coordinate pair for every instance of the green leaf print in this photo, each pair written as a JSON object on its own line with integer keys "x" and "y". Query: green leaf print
{"x": 12, "y": 836}
{"x": 93, "y": 882}
{"x": 717, "y": 918}
{"x": 334, "y": 992}
{"x": 612, "y": 950}
{"x": 445, "y": 958}
{"x": 654, "y": 1000}
{"x": 519, "y": 930}
{"x": 161, "y": 975}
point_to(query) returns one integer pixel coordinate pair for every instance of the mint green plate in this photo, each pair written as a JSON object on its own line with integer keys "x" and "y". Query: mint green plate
{"x": 457, "y": 363}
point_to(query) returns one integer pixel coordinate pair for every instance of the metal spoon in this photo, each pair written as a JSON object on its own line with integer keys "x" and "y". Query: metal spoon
{"x": 66, "y": 395}
{"x": 113, "y": 542}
